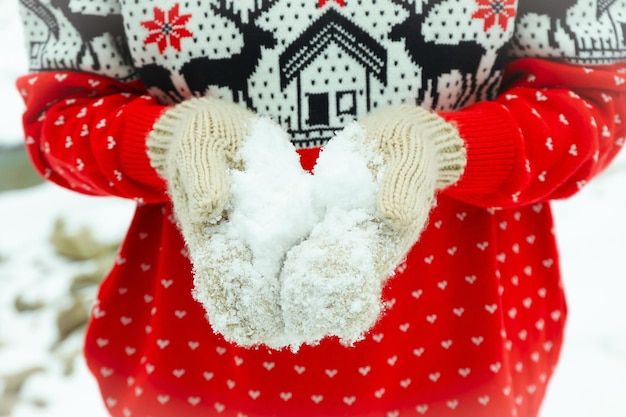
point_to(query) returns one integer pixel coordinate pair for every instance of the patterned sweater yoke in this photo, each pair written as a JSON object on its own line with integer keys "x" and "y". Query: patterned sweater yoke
{"x": 315, "y": 64}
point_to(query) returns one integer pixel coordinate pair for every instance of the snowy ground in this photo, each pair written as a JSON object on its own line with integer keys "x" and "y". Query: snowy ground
{"x": 590, "y": 381}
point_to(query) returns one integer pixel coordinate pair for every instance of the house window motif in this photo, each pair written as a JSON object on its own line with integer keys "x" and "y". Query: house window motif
{"x": 346, "y": 103}
{"x": 318, "y": 109}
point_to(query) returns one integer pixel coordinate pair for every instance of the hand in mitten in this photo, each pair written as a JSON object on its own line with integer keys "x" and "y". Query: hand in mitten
{"x": 422, "y": 153}
{"x": 193, "y": 146}
{"x": 332, "y": 281}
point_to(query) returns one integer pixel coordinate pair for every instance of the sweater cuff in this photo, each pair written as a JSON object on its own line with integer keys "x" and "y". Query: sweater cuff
{"x": 491, "y": 140}
{"x": 141, "y": 117}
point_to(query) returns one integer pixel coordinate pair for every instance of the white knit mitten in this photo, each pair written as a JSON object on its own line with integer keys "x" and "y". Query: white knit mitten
{"x": 193, "y": 146}
{"x": 332, "y": 281}
{"x": 422, "y": 153}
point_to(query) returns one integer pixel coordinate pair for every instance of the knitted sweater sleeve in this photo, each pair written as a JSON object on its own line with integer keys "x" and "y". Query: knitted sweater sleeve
{"x": 551, "y": 130}
{"x": 88, "y": 133}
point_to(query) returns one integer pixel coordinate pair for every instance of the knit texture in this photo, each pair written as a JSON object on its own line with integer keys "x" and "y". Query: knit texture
{"x": 422, "y": 153}
{"x": 192, "y": 146}
{"x": 242, "y": 303}
{"x": 327, "y": 289}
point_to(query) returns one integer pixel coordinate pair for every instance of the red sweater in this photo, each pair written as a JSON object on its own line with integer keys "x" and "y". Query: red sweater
{"x": 476, "y": 314}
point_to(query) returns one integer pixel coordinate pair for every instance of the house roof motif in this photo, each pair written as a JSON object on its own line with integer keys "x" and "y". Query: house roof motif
{"x": 333, "y": 27}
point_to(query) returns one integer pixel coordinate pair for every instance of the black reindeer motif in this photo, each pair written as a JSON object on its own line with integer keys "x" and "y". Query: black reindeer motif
{"x": 555, "y": 10}
{"x": 233, "y": 71}
{"x": 489, "y": 88}
{"x": 434, "y": 58}
{"x": 90, "y": 26}
{"x": 159, "y": 79}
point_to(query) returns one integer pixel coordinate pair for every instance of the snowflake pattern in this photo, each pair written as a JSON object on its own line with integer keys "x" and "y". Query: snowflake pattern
{"x": 167, "y": 28}
{"x": 495, "y": 12}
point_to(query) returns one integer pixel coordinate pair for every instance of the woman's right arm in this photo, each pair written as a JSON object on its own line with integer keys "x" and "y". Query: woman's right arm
{"x": 85, "y": 125}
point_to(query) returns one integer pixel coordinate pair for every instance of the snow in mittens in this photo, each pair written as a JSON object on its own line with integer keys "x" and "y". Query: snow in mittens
{"x": 272, "y": 201}
{"x": 280, "y": 215}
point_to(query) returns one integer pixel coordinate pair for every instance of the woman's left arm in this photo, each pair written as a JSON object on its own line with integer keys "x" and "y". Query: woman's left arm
{"x": 553, "y": 128}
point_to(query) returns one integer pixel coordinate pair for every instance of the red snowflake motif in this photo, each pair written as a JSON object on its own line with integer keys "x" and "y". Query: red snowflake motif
{"x": 167, "y": 28}
{"x": 495, "y": 12}
{"x": 322, "y": 3}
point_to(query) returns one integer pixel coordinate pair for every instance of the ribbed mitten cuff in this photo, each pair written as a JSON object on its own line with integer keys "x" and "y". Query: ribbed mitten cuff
{"x": 448, "y": 146}
{"x": 405, "y": 123}
{"x": 165, "y": 131}
{"x": 205, "y": 117}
